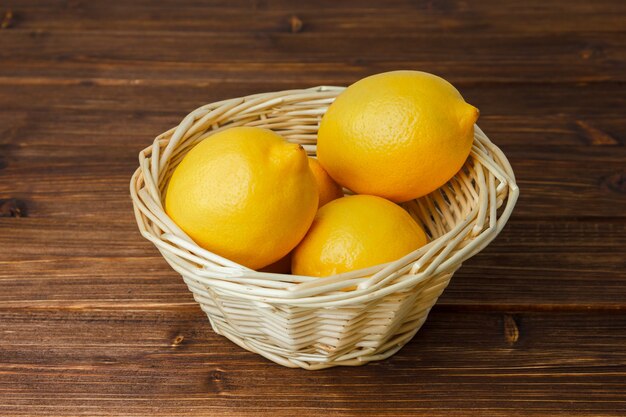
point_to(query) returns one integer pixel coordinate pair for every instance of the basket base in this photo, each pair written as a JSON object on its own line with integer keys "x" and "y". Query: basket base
{"x": 361, "y": 356}
{"x": 317, "y": 338}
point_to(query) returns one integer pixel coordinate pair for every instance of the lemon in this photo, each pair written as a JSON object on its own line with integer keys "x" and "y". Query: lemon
{"x": 356, "y": 232}
{"x": 327, "y": 188}
{"x": 245, "y": 194}
{"x": 398, "y": 135}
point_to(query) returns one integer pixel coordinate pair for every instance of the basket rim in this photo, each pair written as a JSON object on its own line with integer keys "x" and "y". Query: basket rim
{"x": 263, "y": 287}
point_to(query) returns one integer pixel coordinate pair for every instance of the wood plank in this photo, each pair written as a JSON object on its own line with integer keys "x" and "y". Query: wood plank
{"x": 582, "y": 57}
{"x": 326, "y": 16}
{"x": 544, "y": 265}
{"x": 92, "y": 264}
{"x": 166, "y": 363}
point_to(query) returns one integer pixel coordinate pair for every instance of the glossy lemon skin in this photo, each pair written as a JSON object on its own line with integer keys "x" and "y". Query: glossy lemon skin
{"x": 327, "y": 188}
{"x": 245, "y": 194}
{"x": 355, "y": 232}
{"x": 399, "y": 135}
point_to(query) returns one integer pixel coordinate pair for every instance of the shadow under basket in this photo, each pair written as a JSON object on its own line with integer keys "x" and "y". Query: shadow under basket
{"x": 306, "y": 322}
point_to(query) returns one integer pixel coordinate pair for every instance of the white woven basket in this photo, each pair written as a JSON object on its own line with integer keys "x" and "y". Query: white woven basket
{"x": 299, "y": 321}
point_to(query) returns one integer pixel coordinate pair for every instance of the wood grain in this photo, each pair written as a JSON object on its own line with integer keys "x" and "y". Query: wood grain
{"x": 323, "y": 16}
{"x": 171, "y": 363}
{"x": 454, "y": 40}
{"x": 510, "y": 58}
{"x": 94, "y": 322}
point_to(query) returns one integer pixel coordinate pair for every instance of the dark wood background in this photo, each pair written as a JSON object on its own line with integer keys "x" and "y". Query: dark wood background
{"x": 93, "y": 321}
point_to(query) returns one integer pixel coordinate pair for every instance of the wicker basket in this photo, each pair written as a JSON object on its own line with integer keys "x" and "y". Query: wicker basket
{"x": 306, "y": 322}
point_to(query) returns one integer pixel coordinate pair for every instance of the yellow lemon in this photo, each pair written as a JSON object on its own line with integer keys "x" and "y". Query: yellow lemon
{"x": 245, "y": 194}
{"x": 327, "y": 188}
{"x": 399, "y": 135}
{"x": 356, "y": 232}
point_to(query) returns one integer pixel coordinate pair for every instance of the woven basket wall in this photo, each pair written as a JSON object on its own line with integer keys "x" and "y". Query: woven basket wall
{"x": 306, "y": 322}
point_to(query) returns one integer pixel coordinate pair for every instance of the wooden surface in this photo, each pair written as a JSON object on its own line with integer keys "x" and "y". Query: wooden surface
{"x": 94, "y": 322}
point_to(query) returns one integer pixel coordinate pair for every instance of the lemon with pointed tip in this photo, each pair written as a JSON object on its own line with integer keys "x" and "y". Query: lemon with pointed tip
{"x": 399, "y": 135}
{"x": 356, "y": 232}
{"x": 245, "y": 194}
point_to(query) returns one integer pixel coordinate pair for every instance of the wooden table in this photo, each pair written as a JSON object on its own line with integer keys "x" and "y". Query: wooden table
{"x": 94, "y": 322}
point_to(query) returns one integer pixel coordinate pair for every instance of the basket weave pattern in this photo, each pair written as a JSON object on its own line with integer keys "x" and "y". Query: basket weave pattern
{"x": 306, "y": 322}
